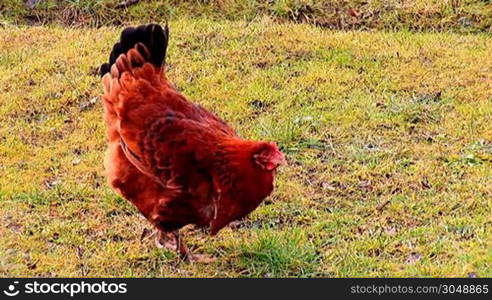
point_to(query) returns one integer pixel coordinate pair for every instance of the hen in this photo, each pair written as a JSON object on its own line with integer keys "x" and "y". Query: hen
{"x": 175, "y": 161}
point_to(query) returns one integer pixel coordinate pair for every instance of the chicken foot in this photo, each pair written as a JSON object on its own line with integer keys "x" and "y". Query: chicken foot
{"x": 175, "y": 242}
{"x": 165, "y": 240}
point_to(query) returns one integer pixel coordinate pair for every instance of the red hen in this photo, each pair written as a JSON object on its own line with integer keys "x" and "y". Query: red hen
{"x": 178, "y": 163}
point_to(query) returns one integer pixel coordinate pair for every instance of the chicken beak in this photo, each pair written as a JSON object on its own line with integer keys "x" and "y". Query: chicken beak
{"x": 281, "y": 161}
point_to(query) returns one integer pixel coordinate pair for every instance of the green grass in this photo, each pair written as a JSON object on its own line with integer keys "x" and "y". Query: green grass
{"x": 388, "y": 138}
{"x": 414, "y": 15}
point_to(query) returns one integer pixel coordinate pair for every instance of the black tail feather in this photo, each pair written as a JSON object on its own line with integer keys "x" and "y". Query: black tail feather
{"x": 153, "y": 36}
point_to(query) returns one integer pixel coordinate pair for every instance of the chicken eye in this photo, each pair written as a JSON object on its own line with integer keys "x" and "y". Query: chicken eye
{"x": 263, "y": 162}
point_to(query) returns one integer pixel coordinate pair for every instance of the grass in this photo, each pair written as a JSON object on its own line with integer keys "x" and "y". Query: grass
{"x": 415, "y": 15}
{"x": 388, "y": 138}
